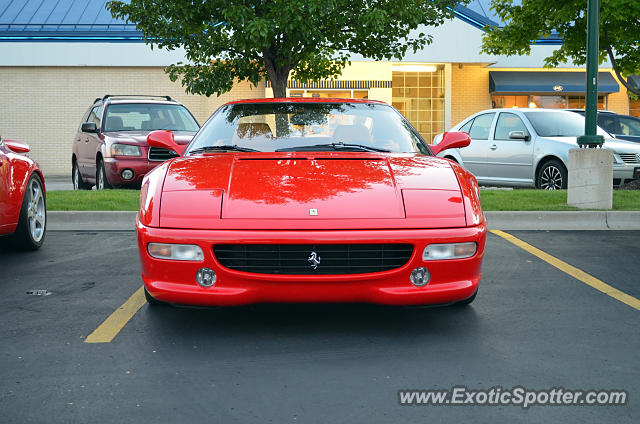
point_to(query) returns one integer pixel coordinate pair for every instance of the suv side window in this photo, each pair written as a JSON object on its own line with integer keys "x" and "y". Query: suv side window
{"x": 508, "y": 122}
{"x": 608, "y": 122}
{"x": 94, "y": 115}
{"x": 481, "y": 126}
{"x": 629, "y": 126}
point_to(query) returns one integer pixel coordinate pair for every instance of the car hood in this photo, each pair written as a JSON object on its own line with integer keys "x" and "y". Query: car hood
{"x": 140, "y": 137}
{"x": 298, "y": 190}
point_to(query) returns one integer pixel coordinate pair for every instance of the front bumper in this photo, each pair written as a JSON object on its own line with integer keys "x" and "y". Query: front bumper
{"x": 174, "y": 281}
{"x": 139, "y": 165}
{"x": 624, "y": 172}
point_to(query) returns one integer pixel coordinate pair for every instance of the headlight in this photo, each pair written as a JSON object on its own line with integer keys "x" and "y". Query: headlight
{"x": 435, "y": 252}
{"x": 124, "y": 150}
{"x": 177, "y": 252}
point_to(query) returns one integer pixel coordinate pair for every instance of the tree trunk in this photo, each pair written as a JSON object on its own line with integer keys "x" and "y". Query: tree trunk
{"x": 614, "y": 63}
{"x": 278, "y": 78}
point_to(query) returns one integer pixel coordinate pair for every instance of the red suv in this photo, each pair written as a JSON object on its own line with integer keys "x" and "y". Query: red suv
{"x": 110, "y": 148}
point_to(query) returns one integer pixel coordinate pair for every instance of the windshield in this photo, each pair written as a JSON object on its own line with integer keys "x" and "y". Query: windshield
{"x": 271, "y": 127}
{"x": 148, "y": 117}
{"x": 558, "y": 124}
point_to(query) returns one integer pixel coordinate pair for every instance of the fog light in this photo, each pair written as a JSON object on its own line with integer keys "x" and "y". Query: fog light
{"x": 420, "y": 276}
{"x": 177, "y": 252}
{"x": 206, "y": 277}
{"x": 127, "y": 174}
{"x": 434, "y": 252}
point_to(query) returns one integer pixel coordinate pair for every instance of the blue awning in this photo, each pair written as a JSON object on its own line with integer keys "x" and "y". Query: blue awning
{"x": 547, "y": 82}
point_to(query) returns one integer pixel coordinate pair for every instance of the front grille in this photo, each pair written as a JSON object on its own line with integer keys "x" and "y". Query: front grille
{"x": 296, "y": 259}
{"x": 630, "y": 157}
{"x": 160, "y": 154}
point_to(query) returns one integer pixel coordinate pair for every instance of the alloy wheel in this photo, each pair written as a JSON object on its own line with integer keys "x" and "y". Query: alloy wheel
{"x": 36, "y": 210}
{"x": 551, "y": 178}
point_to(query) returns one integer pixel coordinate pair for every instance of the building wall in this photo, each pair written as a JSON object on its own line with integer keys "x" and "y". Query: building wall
{"x": 43, "y": 106}
{"x": 469, "y": 90}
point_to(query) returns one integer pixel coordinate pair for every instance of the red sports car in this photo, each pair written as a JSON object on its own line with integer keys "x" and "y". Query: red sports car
{"x": 310, "y": 200}
{"x": 23, "y": 212}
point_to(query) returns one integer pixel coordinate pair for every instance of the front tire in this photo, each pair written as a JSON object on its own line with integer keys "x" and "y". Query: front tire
{"x": 32, "y": 224}
{"x": 552, "y": 176}
{"x": 102, "y": 183}
{"x": 152, "y": 301}
{"x": 76, "y": 178}
{"x": 468, "y": 300}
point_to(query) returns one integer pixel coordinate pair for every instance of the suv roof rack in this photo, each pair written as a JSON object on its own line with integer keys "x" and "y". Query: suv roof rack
{"x": 113, "y": 96}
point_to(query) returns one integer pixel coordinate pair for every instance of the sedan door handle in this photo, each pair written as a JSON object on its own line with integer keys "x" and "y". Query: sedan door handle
{"x": 493, "y": 147}
{"x": 86, "y": 140}
{"x": 78, "y": 139}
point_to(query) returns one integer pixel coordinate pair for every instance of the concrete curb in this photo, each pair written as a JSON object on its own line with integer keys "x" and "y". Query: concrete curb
{"x": 499, "y": 220}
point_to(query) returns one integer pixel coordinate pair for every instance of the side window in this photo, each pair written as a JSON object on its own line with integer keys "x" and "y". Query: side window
{"x": 481, "y": 126}
{"x": 465, "y": 127}
{"x": 94, "y": 115}
{"x": 630, "y": 126}
{"x": 608, "y": 123}
{"x": 508, "y": 122}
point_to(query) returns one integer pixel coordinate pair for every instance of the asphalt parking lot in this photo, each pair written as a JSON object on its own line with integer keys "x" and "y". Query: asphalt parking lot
{"x": 532, "y": 325}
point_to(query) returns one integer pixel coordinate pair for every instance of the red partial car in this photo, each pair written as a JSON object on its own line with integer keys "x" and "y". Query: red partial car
{"x": 23, "y": 208}
{"x": 310, "y": 200}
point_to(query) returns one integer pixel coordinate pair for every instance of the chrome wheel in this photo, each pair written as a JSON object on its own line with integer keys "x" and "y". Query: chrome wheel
{"x": 36, "y": 210}
{"x": 551, "y": 178}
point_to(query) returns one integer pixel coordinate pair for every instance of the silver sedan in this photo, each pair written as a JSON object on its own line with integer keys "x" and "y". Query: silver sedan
{"x": 530, "y": 148}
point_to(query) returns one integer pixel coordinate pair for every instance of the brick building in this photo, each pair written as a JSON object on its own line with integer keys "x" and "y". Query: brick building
{"x": 57, "y": 56}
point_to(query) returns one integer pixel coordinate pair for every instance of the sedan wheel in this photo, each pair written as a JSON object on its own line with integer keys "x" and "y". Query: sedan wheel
{"x": 552, "y": 176}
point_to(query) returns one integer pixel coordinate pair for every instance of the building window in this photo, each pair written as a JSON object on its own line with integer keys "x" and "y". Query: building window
{"x": 556, "y": 101}
{"x": 419, "y": 96}
{"x": 634, "y": 107}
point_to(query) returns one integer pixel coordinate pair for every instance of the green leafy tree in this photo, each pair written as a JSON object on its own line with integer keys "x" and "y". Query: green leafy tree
{"x": 248, "y": 40}
{"x": 534, "y": 19}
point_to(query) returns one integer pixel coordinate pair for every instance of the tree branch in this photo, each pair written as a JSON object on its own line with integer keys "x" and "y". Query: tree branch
{"x": 612, "y": 58}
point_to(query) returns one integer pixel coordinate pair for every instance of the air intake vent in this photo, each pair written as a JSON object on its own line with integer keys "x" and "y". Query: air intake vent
{"x": 310, "y": 259}
{"x": 160, "y": 155}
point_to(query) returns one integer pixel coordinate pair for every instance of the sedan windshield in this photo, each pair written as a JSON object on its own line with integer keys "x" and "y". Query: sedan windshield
{"x": 558, "y": 124}
{"x": 148, "y": 117}
{"x": 299, "y": 126}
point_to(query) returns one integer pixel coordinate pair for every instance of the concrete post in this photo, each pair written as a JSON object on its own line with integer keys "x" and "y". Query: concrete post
{"x": 590, "y": 183}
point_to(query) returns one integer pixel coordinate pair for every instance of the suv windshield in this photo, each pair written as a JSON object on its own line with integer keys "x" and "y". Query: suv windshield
{"x": 148, "y": 117}
{"x": 558, "y": 124}
{"x": 299, "y": 126}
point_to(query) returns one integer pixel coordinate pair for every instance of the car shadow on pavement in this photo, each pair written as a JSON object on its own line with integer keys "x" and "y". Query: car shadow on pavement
{"x": 306, "y": 327}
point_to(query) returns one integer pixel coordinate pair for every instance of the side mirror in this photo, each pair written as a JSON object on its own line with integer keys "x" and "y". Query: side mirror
{"x": 451, "y": 140}
{"x": 518, "y": 135}
{"x": 89, "y": 127}
{"x": 16, "y": 146}
{"x": 164, "y": 139}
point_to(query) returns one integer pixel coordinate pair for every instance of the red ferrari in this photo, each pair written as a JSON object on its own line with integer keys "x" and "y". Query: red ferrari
{"x": 23, "y": 212}
{"x": 310, "y": 200}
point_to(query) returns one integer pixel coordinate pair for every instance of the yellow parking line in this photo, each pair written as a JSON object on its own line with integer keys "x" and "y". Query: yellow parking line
{"x": 572, "y": 271}
{"x": 118, "y": 319}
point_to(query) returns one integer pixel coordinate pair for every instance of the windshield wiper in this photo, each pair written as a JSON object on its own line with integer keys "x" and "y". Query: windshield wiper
{"x": 226, "y": 147}
{"x": 335, "y": 146}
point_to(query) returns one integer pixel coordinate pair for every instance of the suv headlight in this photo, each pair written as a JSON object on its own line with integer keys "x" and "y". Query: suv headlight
{"x": 125, "y": 150}
{"x": 434, "y": 252}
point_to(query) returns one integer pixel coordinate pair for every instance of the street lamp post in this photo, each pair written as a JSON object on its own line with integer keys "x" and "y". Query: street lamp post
{"x": 590, "y": 137}
{"x": 590, "y": 182}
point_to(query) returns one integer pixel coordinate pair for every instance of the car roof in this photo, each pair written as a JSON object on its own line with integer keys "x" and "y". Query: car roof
{"x": 305, "y": 100}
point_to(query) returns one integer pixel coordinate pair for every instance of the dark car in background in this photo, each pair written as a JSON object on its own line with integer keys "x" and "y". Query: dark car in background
{"x": 624, "y": 127}
{"x": 110, "y": 148}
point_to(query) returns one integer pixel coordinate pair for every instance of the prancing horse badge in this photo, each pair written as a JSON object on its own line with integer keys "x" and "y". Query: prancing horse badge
{"x": 313, "y": 212}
